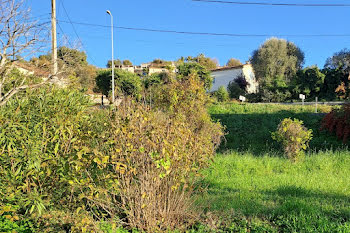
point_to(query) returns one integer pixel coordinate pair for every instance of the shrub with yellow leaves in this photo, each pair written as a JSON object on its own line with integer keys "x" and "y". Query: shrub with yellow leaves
{"x": 294, "y": 137}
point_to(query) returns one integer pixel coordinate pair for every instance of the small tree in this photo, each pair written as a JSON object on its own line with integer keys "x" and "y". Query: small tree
{"x": 222, "y": 94}
{"x": 126, "y": 83}
{"x": 237, "y": 87}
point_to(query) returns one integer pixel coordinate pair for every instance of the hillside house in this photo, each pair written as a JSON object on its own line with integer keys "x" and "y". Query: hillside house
{"x": 224, "y": 75}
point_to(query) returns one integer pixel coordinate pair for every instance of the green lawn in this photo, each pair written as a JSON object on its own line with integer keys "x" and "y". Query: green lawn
{"x": 253, "y": 188}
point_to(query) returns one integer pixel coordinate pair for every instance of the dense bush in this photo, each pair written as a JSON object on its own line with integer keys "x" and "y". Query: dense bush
{"x": 126, "y": 83}
{"x": 156, "y": 157}
{"x": 237, "y": 87}
{"x": 39, "y": 160}
{"x": 65, "y": 166}
{"x": 185, "y": 70}
{"x": 156, "y": 79}
{"x": 294, "y": 137}
{"x": 338, "y": 122}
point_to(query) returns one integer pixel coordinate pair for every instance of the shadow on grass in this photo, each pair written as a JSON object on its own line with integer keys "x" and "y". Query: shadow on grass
{"x": 252, "y": 132}
{"x": 283, "y": 201}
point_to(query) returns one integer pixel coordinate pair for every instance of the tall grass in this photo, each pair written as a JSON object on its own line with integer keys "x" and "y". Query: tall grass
{"x": 249, "y": 126}
{"x": 251, "y": 187}
{"x": 311, "y": 196}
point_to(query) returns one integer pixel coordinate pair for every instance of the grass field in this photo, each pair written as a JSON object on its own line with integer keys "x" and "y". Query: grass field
{"x": 253, "y": 188}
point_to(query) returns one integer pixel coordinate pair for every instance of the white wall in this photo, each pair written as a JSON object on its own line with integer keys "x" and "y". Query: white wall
{"x": 225, "y": 76}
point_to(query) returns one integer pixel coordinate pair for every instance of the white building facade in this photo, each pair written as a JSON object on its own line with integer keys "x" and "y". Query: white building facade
{"x": 223, "y": 76}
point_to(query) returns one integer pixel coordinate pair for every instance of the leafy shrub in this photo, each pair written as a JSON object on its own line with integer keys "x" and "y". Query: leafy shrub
{"x": 65, "y": 165}
{"x": 237, "y": 87}
{"x": 234, "y": 90}
{"x": 10, "y": 222}
{"x": 188, "y": 69}
{"x": 41, "y": 158}
{"x": 338, "y": 122}
{"x": 156, "y": 157}
{"x": 156, "y": 79}
{"x": 294, "y": 137}
{"x": 222, "y": 94}
{"x": 160, "y": 151}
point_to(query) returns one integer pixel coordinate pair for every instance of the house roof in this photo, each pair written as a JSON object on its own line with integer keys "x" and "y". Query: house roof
{"x": 36, "y": 70}
{"x": 229, "y": 68}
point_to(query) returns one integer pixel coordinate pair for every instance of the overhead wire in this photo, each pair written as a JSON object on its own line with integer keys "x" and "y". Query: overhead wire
{"x": 76, "y": 33}
{"x": 206, "y": 33}
{"x": 274, "y": 4}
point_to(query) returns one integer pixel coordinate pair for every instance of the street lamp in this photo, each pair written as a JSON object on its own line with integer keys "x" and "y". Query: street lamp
{"x": 113, "y": 95}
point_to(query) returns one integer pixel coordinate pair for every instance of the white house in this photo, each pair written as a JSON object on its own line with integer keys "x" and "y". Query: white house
{"x": 224, "y": 75}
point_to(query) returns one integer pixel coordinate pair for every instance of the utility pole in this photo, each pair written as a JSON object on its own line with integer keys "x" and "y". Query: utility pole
{"x": 113, "y": 91}
{"x": 54, "y": 39}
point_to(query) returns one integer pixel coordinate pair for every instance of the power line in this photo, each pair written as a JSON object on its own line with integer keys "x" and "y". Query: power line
{"x": 75, "y": 31}
{"x": 59, "y": 26}
{"x": 208, "y": 33}
{"x": 274, "y": 4}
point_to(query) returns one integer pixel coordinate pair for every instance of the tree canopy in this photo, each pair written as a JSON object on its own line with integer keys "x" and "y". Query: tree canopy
{"x": 186, "y": 69}
{"x": 233, "y": 62}
{"x": 277, "y": 57}
{"x": 127, "y": 63}
{"x": 126, "y": 83}
{"x": 340, "y": 60}
{"x": 206, "y": 62}
{"x": 116, "y": 63}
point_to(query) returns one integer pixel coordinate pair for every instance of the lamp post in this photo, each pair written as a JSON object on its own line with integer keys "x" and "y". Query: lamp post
{"x": 113, "y": 94}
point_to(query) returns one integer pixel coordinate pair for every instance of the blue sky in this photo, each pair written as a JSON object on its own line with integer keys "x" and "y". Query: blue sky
{"x": 186, "y": 15}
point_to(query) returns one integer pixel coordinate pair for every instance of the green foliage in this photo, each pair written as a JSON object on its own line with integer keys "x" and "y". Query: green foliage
{"x": 274, "y": 89}
{"x": 222, "y": 94}
{"x": 248, "y": 193}
{"x": 72, "y": 57}
{"x": 237, "y": 87}
{"x": 333, "y": 79}
{"x": 294, "y": 137}
{"x": 116, "y": 63}
{"x": 15, "y": 79}
{"x": 126, "y": 83}
{"x": 340, "y": 60}
{"x": 156, "y": 79}
{"x": 155, "y": 156}
{"x": 54, "y": 146}
{"x": 233, "y": 62}
{"x": 73, "y": 67}
{"x": 185, "y": 70}
{"x": 275, "y": 63}
{"x": 127, "y": 63}
{"x": 253, "y": 123}
{"x": 234, "y": 90}
{"x": 206, "y": 62}
{"x": 39, "y": 160}
{"x": 277, "y": 57}
{"x": 308, "y": 81}
{"x": 10, "y": 221}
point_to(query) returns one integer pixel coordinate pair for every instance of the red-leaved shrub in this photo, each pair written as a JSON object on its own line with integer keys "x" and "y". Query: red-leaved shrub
{"x": 338, "y": 122}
